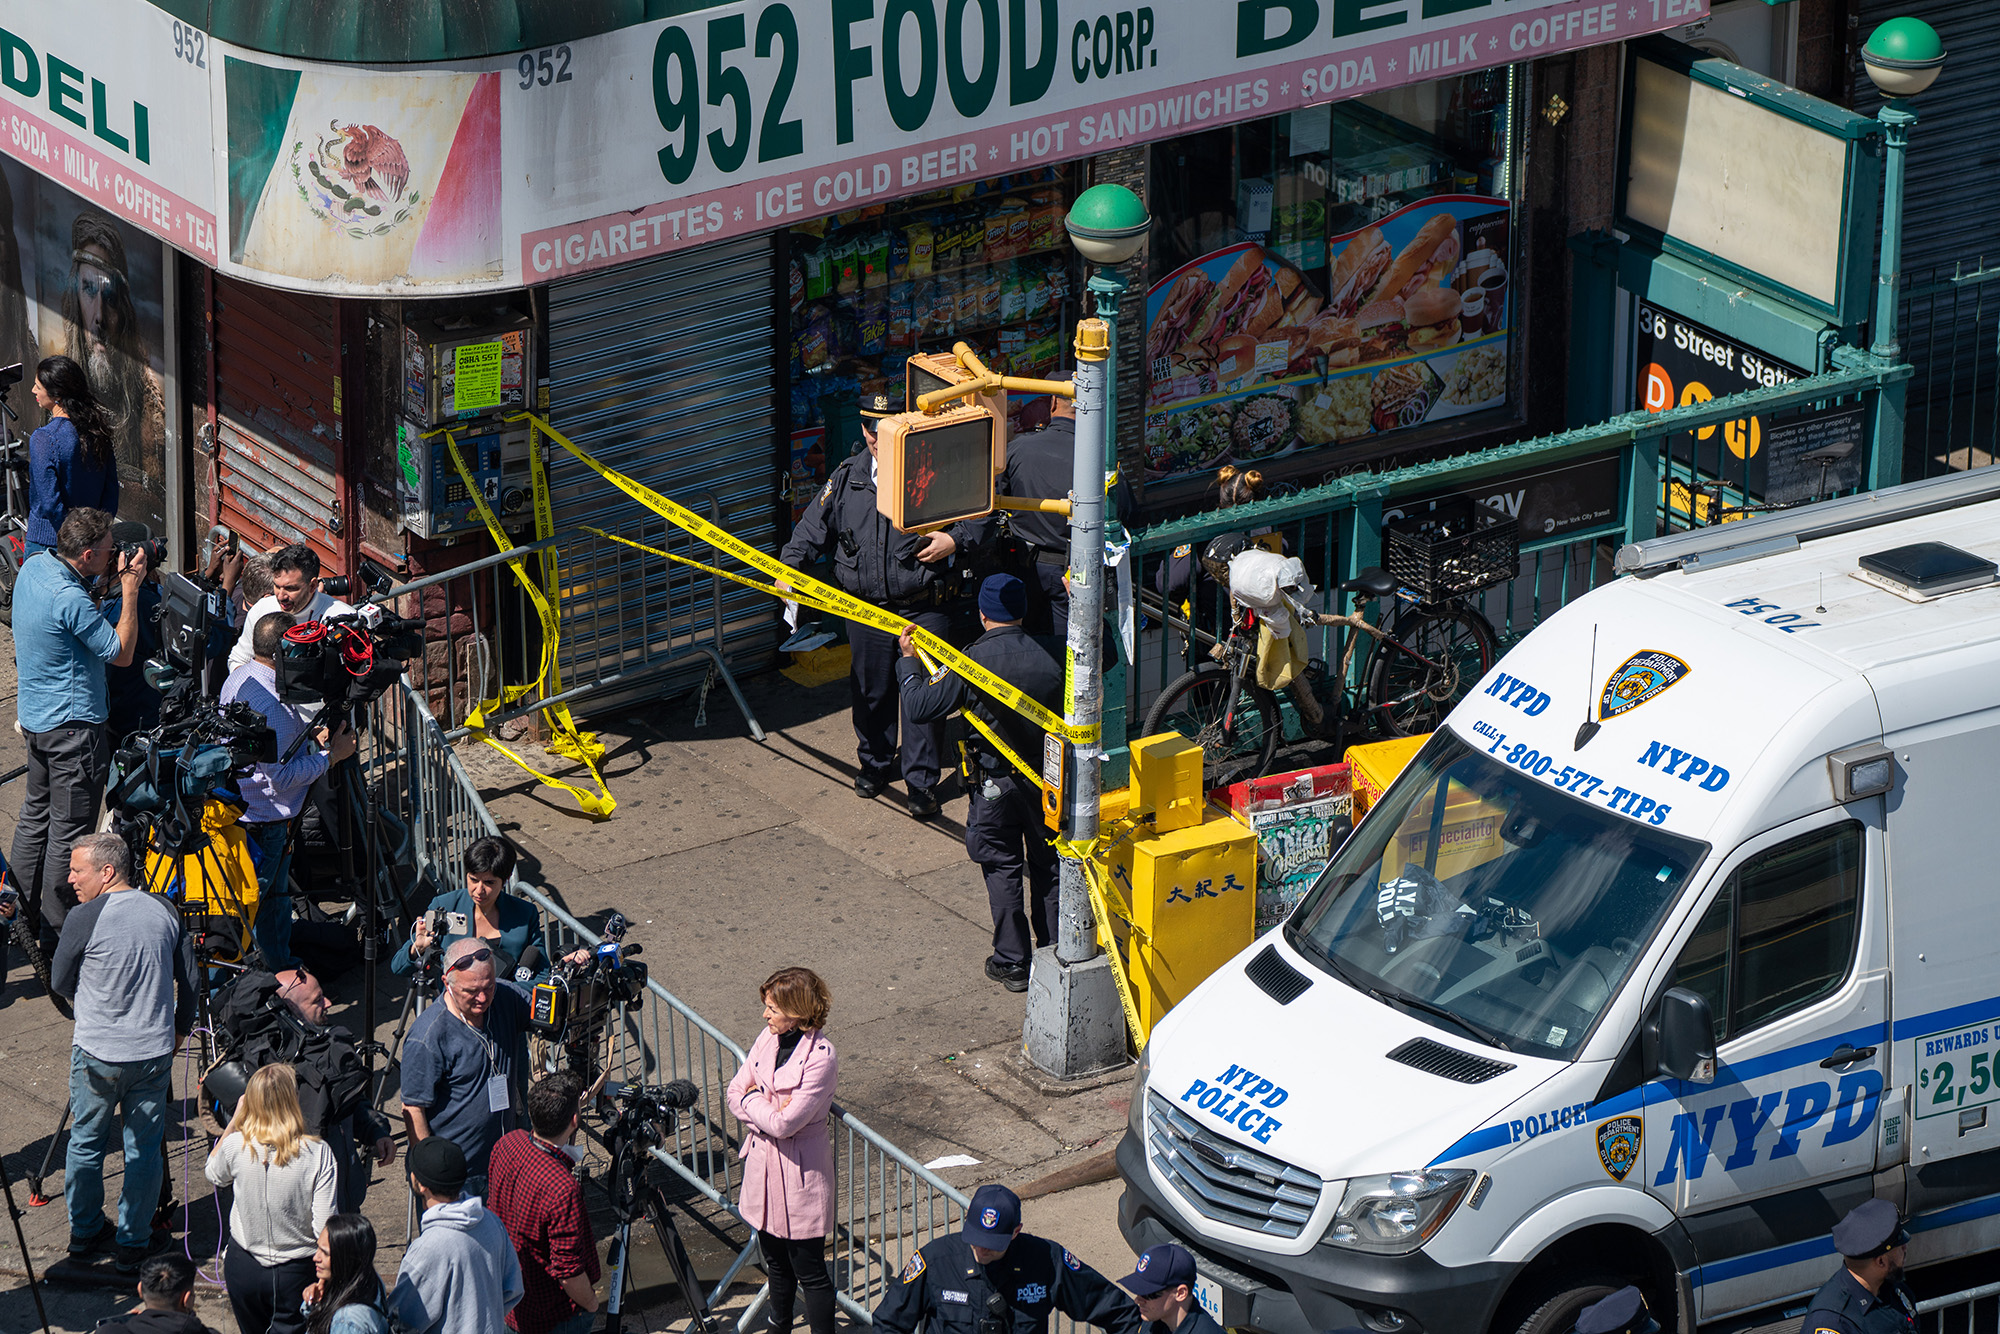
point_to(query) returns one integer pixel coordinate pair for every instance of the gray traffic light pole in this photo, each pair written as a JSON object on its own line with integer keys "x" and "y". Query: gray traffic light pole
{"x": 1075, "y": 1026}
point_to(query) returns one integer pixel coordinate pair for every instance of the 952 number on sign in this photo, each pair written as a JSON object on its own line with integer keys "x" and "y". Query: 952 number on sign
{"x": 1957, "y": 1069}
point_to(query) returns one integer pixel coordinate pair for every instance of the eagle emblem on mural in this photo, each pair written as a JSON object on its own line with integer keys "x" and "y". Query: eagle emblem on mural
{"x": 356, "y": 177}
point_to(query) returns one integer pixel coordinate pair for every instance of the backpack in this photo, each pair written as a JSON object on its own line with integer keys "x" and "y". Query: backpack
{"x": 257, "y": 1029}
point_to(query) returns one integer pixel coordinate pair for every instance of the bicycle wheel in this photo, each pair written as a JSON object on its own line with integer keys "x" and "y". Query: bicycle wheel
{"x": 1410, "y": 696}
{"x": 1237, "y": 736}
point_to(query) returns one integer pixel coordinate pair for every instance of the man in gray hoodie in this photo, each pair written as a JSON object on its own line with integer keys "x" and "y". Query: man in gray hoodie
{"x": 460, "y": 1276}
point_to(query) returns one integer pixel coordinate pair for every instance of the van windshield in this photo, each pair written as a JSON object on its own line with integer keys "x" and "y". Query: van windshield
{"x": 1490, "y": 904}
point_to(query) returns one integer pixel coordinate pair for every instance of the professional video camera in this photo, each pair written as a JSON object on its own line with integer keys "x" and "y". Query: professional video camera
{"x": 348, "y": 660}
{"x": 572, "y": 1008}
{"x": 428, "y": 975}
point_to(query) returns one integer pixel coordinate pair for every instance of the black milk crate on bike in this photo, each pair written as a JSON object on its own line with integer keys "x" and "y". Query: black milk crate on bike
{"x": 1459, "y": 547}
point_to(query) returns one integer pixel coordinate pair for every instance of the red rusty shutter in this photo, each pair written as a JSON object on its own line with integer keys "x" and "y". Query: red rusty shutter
{"x": 280, "y": 428}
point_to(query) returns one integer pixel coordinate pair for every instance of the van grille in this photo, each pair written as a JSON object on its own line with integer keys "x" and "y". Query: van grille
{"x": 1276, "y": 978}
{"x": 1224, "y": 1180}
{"x": 1437, "y": 1059}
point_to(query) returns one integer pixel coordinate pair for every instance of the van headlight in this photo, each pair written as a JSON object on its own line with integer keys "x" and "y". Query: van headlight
{"x": 1395, "y": 1214}
{"x": 1135, "y": 1120}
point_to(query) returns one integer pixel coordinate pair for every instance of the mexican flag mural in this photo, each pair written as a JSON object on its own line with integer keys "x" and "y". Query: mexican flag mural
{"x": 366, "y": 178}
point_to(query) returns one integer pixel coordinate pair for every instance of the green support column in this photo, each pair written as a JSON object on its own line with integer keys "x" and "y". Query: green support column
{"x": 1642, "y": 489}
{"x": 1361, "y": 547}
{"x": 1593, "y": 308}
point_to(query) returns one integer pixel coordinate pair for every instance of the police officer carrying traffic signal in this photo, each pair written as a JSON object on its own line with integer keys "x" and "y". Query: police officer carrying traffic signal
{"x": 1162, "y": 1286}
{"x": 1004, "y": 830}
{"x": 1866, "y": 1294}
{"x": 910, "y": 574}
{"x": 1623, "y": 1312}
{"x": 991, "y": 1278}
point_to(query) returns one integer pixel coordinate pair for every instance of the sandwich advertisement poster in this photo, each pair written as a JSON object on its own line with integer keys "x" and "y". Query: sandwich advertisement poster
{"x": 1249, "y": 359}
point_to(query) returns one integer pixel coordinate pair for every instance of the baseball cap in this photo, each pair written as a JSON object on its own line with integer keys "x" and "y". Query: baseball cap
{"x": 1161, "y": 1267}
{"x": 990, "y": 1222}
{"x": 438, "y": 1165}
{"x": 1003, "y": 598}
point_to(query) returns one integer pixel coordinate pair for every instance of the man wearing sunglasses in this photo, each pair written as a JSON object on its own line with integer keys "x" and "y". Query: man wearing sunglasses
{"x": 465, "y": 1060}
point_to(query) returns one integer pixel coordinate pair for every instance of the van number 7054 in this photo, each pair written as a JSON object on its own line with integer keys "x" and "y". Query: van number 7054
{"x": 1791, "y": 622}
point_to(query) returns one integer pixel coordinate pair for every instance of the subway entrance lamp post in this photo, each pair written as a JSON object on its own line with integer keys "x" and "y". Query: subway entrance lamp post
{"x": 1075, "y": 1026}
{"x": 1902, "y": 58}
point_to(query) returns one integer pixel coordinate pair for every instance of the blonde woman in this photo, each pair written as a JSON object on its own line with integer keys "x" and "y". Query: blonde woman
{"x": 284, "y": 1180}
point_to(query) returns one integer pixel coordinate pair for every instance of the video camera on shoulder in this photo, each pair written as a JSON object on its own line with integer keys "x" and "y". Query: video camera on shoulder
{"x": 346, "y": 660}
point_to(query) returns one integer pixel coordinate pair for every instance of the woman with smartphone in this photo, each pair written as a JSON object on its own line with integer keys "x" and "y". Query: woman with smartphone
{"x": 510, "y": 926}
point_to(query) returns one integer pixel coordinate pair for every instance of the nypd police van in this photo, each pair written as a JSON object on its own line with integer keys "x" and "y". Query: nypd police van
{"x": 1680, "y": 938}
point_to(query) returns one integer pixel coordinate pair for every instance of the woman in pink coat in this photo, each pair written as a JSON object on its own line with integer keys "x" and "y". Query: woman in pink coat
{"x": 782, "y": 1096}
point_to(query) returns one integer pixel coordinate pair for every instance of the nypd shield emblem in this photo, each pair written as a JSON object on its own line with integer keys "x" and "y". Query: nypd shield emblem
{"x": 1618, "y": 1142}
{"x": 1639, "y": 678}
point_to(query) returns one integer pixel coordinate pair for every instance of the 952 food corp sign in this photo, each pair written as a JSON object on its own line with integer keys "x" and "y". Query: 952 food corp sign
{"x": 719, "y": 122}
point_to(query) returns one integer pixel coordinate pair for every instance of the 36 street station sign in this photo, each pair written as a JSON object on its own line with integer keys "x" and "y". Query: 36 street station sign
{"x": 729, "y": 120}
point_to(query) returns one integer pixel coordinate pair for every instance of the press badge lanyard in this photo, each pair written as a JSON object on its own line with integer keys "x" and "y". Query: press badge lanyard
{"x": 498, "y": 1098}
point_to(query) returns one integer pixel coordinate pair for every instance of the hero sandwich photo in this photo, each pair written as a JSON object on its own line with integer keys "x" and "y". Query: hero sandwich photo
{"x": 1431, "y": 318}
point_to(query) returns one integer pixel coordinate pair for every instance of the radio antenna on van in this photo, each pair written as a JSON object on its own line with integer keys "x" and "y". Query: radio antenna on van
{"x": 1590, "y": 725}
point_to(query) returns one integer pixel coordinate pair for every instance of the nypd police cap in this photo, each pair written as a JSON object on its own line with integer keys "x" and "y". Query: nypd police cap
{"x": 1869, "y": 1229}
{"x": 879, "y": 405}
{"x": 1623, "y": 1312}
{"x": 991, "y": 1220}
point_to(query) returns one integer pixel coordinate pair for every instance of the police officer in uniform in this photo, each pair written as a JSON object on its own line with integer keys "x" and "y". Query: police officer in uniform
{"x": 1866, "y": 1294}
{"x": 1623, "y": 1312}
{"x": 994, "y": 1279}
{"x": 907, "y": 573}
{"x": 1041, "y": 465}
{"x": 1162, "y": 1287}
{"x": 1004, "y": 830}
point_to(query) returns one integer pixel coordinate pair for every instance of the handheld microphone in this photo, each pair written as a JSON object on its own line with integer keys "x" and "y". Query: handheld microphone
{"x": 528, "y": 965}
{"x": 615, "y": 926}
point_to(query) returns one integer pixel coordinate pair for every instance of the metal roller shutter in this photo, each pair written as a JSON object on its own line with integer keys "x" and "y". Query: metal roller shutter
{"x": 664, "y": 370}
{"x": 1952, "y": 190}
{"x": 279, "y": 421}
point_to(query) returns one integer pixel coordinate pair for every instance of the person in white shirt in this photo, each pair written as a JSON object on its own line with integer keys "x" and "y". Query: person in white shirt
{"x": 284, "y": 1183}
{"x": 295, "y": 591}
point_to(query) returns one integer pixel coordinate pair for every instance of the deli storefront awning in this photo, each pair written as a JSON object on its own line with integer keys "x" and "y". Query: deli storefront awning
{"x": 512, "y": 169}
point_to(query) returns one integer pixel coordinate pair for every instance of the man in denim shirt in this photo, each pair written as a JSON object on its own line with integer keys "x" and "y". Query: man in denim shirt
{"x": 61, "y": 647}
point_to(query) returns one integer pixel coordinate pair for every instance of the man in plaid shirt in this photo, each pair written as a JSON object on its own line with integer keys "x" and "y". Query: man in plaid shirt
{"x": 534, "y": 1190}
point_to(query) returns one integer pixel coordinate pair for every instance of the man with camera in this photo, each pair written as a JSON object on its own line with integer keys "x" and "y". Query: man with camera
{"x": 275, "y": 793}
{"x": 61, "y": 648}
{"x": 464, "y": 1059}
{"x": 127, "y": 965}
{"x": 295, "y": 591}
{"x": 535, "y": 1192}
{"x": 992, "y": 1278}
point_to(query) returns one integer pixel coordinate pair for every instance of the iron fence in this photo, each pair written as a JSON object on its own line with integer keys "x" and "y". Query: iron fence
{"x": 1335, "y": 528}
{"x": 1963, "y": 1312}
{"x": 887, "y": 1204}
{"x": 1950, "y": 329}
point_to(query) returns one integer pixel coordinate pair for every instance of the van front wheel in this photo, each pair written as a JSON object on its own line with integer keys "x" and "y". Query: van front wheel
{"x": 1554, "y": 1307}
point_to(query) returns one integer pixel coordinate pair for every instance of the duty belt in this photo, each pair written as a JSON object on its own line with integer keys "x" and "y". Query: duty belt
{"x": 1051, "y": 556}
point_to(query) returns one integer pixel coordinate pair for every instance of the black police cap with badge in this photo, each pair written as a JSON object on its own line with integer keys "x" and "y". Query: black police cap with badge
{"x": 878, "y": 405}
{"x": 1623, "y": 1312}
{"x": 1871, "y": 1228}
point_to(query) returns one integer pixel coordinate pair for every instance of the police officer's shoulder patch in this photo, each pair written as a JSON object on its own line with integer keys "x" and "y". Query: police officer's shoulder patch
{"x": 1072, "y": 1261}
{"x": 826, "y": 492}
{"x": 914, "y": 1269}
{"x": 940, "y": 674}
{"x": 1184, "y": 549}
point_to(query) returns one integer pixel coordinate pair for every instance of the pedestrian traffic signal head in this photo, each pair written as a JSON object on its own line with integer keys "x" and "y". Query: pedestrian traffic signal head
{"x": 936, "y": 469}
{"x": 932, "y": 371}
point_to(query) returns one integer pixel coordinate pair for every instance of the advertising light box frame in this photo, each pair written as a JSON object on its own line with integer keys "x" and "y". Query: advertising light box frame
{"x": 1774, "y": 136}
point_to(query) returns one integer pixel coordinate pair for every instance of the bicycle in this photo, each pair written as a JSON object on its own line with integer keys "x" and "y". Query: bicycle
{"x": 13, "y": 495}
{"x": 1708, "y": 498}
{"x": 1425, "y": 656}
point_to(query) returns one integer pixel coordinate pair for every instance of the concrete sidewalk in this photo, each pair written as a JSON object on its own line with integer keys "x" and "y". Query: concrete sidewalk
{"x": 732, "y": 859}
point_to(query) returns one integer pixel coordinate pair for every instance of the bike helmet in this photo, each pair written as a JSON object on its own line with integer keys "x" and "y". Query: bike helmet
{"x": 1215, "y": 557}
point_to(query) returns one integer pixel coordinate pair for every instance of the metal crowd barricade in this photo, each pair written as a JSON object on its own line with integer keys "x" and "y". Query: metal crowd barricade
{"x": 1961, "y": 1312}
{"x": 887, "y": 1204}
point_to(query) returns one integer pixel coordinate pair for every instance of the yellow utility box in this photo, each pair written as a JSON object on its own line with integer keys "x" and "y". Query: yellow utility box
{"x": 1191, "y": 897}
{"x": 1166, "y": 780}
{"x": 1469, "y": 836}
{"x": 1374, "y": 766}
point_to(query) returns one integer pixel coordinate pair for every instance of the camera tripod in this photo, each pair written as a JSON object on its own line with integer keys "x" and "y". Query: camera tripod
{"x": 633, "y": 1131}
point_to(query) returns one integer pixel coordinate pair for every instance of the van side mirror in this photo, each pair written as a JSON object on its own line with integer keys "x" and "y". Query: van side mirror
{"x": 1680, "y": 1037}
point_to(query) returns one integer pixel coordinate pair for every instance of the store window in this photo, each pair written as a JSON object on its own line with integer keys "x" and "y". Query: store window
{"x": 1326, "y": 278}
{"x": 987, "y": 263}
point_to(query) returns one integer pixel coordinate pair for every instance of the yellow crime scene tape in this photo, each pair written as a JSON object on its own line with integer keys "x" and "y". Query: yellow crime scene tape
{"x": 565, "y": 738}
{"x": 823, "y": 595}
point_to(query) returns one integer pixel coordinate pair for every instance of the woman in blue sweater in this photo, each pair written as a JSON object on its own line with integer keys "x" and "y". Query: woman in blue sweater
{"x": 70, "y": 464}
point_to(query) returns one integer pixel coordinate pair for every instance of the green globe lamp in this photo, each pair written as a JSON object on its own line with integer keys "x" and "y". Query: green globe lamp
{"x": 1902, "y": 57}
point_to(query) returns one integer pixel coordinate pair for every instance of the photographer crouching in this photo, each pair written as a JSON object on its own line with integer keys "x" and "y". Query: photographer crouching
{"x": 275, "y": 793}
